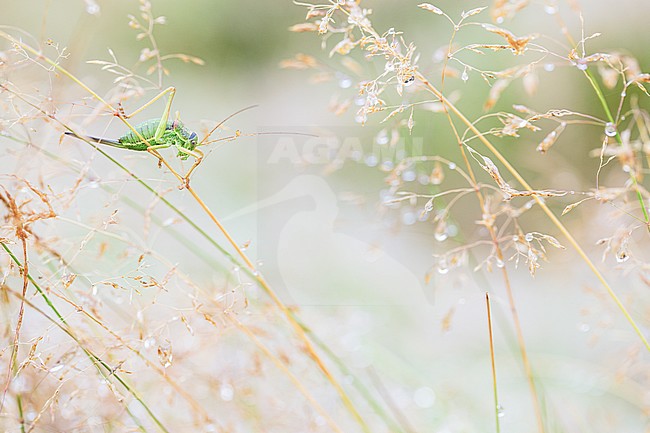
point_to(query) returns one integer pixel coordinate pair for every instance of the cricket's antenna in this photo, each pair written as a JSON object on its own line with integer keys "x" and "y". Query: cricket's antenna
{"x": 225, "y": 120}
{"x": 255, "y": 134}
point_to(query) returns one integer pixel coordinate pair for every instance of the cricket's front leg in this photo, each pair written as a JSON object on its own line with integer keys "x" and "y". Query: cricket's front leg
{"x": 198, "y": 157}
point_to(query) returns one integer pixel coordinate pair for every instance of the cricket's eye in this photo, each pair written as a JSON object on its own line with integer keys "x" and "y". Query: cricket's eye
{"x": 193, "y": 137}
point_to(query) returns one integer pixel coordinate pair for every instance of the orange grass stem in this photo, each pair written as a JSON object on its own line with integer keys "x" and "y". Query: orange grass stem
{"x": 300, "y": 331}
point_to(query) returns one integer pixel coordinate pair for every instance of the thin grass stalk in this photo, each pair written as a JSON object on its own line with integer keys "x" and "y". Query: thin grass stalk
{"x": 497, "y": 407}
{"x": 543, "y": 205}
{"x": 95, "y": 360}
{"x": 249, "y": 265}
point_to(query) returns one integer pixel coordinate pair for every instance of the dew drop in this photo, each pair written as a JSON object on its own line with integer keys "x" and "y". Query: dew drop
{"x": 360, "y": 118}
{"x": 529, "y": 237}
{"x": 584, "y": 327}
{"x": 610, "y": 129}
{"x": 149, "y": 342}
{"x": 57, "y": 368}
{"x": 500, "y": 411}
{"x": 387, "y": 165}
{"x": 409, "y": 218}
{"x": 409, "y": 176}
{"x": 424, "y": 397}
{"x": 549, "y": 67}
{"x": 452, "y": 166}
{"x": 371, "y": 160}
{"x": 443, "y": 267}
{"x": 381, "y": 137}
{"x": 499, "y": 263}
{"x": 582, "y": 66}
{"x": 423, "y": 179}
{"x": 550, "y": 9}
{"x": 359, "y": 101}
{"x": 226, "y": 392}
{"x": 440, "y": 236}
{"x": 464, "y": 76}
{"x": 345, "y": 83}
{"x": 92, "y": 8}
{"x": 499, "y": 20}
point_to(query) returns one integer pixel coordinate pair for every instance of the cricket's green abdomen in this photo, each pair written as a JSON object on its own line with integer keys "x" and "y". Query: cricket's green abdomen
{"x": 148, "y": 131}
{"x": 175, "y": 134}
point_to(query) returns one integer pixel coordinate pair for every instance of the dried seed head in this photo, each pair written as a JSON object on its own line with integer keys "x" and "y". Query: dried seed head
{"x": 550, "y": 139}
{"x": 303, "y": 27}
{"x": 431, "y": 8}
{"x": 517, "y": 45}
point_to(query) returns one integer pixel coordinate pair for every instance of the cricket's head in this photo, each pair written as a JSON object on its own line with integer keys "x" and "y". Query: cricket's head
{"x": 194, "y": 139}
{"x": 189, "y": 139}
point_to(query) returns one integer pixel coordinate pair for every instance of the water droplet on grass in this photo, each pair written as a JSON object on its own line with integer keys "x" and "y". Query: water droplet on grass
{"x": 381, "y": 137}
{"x": 409, "y": 218}
{"x": 443, "y": 266}
{"x": 57, "y": 368}
{"x": 226, "y": 392}
{"x": 371, "y": 160}
{"x": 610, "y": 129}
{"x": 424, "y": 397}
{"x": 441, "y": 236}
{"x": 409, "y": 176}
{"x": 345, "y": 83}
{"x": 550, "y": 9}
